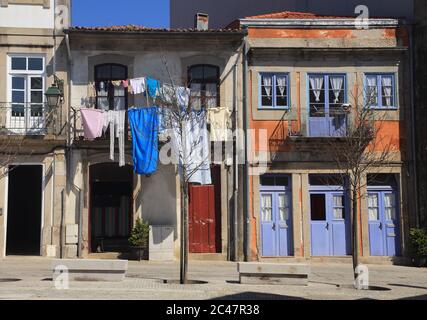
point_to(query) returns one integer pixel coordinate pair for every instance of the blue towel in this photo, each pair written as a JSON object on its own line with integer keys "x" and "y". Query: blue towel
{"x": 152, "y": 87}
{"x": 144, "y": 126}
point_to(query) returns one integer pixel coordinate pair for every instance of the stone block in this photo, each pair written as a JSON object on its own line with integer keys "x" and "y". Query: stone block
{"x": 91, "y": 270}
{"x": 273, "y": 274}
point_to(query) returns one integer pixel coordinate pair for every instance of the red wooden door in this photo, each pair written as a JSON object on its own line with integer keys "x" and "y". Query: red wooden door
{"x": 202, "y": 219}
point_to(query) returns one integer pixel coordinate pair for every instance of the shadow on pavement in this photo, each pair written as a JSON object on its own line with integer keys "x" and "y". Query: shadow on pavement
{"x": 406, "y": 286}
{"x": 257, "y": 296}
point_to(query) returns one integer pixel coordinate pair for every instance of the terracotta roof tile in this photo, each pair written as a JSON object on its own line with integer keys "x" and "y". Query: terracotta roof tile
{"x": 136, "y": 29}
{"x": 296, "y": 15}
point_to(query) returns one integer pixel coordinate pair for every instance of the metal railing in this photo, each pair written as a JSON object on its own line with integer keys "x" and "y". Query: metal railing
{"x": 28, "y": 119}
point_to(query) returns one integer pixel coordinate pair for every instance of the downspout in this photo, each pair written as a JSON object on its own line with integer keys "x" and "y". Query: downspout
{"x": 246, "y": 195}
{"x": 413, "y": 121}
{"x": 235, "y": 170}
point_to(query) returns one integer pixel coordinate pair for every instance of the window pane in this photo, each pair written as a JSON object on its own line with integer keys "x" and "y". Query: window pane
{"x": 37, "y": 83}
{"x": 119, "y": 104}
{"x": 390, "y": 206}
{"x": 118, "y": 73}
{"x": 18, "y": 96}
{"x": 103, "y": 104}
{"x": 18, "y": 83}
{"x": 266, "y": 207}
{"x": 19, "y": 63}
{"x": 37, "y": 110}
{"x": 318, "y": 207}
{"x": 317, "y": 96}
{"x": 282, "y": 181}
{"x": 338, "y": 213}
{"x": 283, "y": 207}
{"x": 103, "y": 72}
{"x": 336, "y": 90}
{"x": 372, "y": 90}
{"x": 35, "y": 64}
{"x": 210, "y": 74}
{"x": 373, "y": 207}
{"x": 373, "y": 214}
{"x": 267, "y": 181}
{"x": 18, "y": 110}
{"x": 338, "y": 201}
{"x": 196, "y": 73}
{"x": 36, "y": 96}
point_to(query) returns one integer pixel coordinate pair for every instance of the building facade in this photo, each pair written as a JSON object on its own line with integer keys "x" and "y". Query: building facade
{"x": 182, "y": 12}
{"x": 420, "y": 47}
{"x": 301, "y": 69}
{"x": 33, "y": 139}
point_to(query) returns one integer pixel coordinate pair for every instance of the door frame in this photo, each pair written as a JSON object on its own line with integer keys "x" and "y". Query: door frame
{"x": 276, "y": 189}
{"x": 381, "y": 190}
{"x": 332, "y": 190}
{"x": 325, "y": 75}
{"x": 6, "y": 202}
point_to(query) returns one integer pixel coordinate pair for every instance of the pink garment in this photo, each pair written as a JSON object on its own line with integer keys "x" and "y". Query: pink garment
{"x": 125, "y": 83}
{"x": 93, "y": 123}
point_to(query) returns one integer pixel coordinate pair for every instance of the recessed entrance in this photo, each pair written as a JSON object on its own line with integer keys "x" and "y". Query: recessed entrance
{"x": 110, "y": 207}
{"x": 24, "y": 210}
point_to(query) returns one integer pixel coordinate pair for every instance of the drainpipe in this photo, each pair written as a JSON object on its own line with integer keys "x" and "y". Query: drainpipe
{"x": 246, "y": 195}
{"x": 413, "y": 122}
{"x": 235, "y": 171}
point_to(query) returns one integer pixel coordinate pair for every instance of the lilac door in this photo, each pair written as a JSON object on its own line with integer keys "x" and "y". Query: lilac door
{"x": 329, "y": 224}
{"x": 276, "y": 224}
{"x": 384, "y": 238}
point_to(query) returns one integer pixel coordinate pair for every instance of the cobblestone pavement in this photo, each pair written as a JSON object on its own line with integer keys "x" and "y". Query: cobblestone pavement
{"x": 144, "y": 281}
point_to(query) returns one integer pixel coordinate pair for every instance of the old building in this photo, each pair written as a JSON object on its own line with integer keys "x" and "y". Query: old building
{"x": 182, "y": 12}
{"x": 420, "y": 44}
{"x": 33, "y": 138}
{"x": 301, "y": 69}
{"x": 99, "y": 188}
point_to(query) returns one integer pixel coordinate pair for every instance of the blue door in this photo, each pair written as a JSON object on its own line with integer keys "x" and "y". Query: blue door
{"x": 276, "y": 223}
{"x": 329, "y": 224}
{"x": 384, "y": 238}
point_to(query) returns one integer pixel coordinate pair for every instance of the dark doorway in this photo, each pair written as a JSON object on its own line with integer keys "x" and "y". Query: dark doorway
{"x": 24, "y": 212}
{"x": 111, "y": 207}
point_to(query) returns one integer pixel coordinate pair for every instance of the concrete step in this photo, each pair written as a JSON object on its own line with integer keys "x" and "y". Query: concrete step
{"x": 105, "y": 256}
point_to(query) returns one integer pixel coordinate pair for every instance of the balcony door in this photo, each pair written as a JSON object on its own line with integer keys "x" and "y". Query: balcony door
{"x": 25, "y": 111}
{"x": 326, "y": 98}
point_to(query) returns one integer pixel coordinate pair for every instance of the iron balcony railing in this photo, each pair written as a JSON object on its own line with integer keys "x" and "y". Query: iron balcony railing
{"x": 30, "y": 119}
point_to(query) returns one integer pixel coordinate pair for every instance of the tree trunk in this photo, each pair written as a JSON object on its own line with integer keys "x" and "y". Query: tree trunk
{"x": 184, "y": 235}
{"x": 355, "y": 225}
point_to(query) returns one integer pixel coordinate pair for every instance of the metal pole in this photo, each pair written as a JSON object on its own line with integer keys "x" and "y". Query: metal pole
{"x": 61, "y": 232}
{"x": 79, "y": 243}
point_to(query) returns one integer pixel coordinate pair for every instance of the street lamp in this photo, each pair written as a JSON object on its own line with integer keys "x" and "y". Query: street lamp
{"x": 54, "y": 94}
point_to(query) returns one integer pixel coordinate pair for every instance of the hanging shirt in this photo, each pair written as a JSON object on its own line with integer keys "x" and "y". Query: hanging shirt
{"x": 93, "y": 121}
{"x": 195, "y": 156}
{"x": 116, "y": 120}
{"x": 183, "y": 95}
{"x": 219, "y": 119}
{"x": 138, "y": 85}
{"x": 153, "y": 87}
{"x": 144, "y": 127}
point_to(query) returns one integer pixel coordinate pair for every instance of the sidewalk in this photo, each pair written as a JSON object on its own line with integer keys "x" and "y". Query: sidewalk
{"x": 145, "y": 281}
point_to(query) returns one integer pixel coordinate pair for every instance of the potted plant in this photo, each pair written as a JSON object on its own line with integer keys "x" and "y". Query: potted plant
{"x": 139, "y": 239}
{"x": 418, "y": 239}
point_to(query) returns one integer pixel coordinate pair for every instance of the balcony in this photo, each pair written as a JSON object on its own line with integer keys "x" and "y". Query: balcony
{"x": 30, "y": 119}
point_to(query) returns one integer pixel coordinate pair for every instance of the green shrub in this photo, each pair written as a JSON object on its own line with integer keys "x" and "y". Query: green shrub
{"x": 139, "y": 234}
{"x": 419, "y": 241}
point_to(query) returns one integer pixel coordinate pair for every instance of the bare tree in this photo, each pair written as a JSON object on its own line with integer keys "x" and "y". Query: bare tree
{"x": 363, "y": 149}
{"x": 179, "y": 120}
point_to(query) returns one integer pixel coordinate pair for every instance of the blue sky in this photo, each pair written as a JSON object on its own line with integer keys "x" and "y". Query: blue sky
{"x": 149, "y": 13}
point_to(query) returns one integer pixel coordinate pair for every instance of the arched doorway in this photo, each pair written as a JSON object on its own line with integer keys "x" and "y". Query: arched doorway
{"x": 110, "y": 219}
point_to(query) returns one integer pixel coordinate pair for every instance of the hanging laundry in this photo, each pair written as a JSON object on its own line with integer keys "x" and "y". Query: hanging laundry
{"x": 153, "y": 87}
{"x": 138, "y": 85}
{"x": 175, "y": 95}
{"x": 144, "y": 127}
{"x": 219, "y": 119}
{"x": 116, "y": 120}
{"x": 195, "y": 157}
{"x": 125, "y": 83}
{"x": 93, "y": 122}
{"x": 116, "y": 83}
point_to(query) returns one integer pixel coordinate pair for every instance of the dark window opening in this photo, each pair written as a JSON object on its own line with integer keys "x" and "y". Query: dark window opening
{"x": 203, "y": 81}
{"x": 108, "y": 96}
{"x": 274, "y": 180}
{"x": 326, "y": 180}
{"x": 318, "y": 207}
{"x": 382, "y": 180}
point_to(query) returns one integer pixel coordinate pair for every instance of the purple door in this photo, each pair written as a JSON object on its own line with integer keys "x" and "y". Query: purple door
{"x": 329, "y": 224}
{"x": 276, "y": 224}
{"x": 384, "y": 239}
